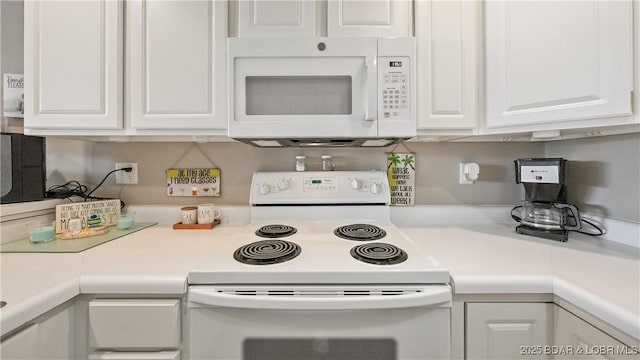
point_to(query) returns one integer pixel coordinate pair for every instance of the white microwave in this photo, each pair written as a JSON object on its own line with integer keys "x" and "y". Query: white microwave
{"x": 322, "y": 91}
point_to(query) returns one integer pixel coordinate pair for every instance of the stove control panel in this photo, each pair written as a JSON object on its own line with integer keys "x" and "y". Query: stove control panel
{"x": 320, "y": 187}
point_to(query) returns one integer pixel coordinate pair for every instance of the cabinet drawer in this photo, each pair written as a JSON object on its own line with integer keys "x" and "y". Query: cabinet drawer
{"x": 134, "y": 324}
{"x": 112, "y": 355}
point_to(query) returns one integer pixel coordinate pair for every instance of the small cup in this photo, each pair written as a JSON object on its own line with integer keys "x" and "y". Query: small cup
{"x": 189, "y": 214}
{"x": 41, "y": 232}
{"x": 126, "y": 220}
{"x": 207, "y": 213}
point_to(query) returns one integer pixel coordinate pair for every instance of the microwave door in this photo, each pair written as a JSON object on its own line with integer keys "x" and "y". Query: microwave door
{"x": 305, "y": 97}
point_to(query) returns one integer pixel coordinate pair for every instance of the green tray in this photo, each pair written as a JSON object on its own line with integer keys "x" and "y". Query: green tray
{"x": 71, "y": 245}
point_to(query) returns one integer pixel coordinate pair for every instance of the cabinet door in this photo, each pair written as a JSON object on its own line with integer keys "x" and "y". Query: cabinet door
{"x": 73, "y": 64}
{"x": 176, "y": 64}
{"x": 56, "y": 338}
{"x": 135, "y": 324}
{"x": 499, "y": 330}
{"x": 288, "y": 18}
{"x": 448, "y": 59}
{"x": 370, "y": 18}
{"x": 557, "y": 61}
{"x": 572, "y": 332}
{"x": 22, "y": 346}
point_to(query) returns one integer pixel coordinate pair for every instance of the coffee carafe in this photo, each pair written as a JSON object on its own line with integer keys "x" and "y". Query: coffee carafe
{"x": 545, "y": 211}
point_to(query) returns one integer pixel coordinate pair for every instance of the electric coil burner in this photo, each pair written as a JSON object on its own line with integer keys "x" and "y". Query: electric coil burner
{"x": 276, "y": 231}
{"x": 379, "y": 254}
{"x": 360, "y": 232}
{"x": 266, "y": 252}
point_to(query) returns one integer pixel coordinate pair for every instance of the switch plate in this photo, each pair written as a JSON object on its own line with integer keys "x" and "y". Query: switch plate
{"x": 123, "y": 177}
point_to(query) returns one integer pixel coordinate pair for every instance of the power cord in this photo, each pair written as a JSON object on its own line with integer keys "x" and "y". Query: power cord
{"x": 74, "y": 188}
{"x": 126, "y": 169}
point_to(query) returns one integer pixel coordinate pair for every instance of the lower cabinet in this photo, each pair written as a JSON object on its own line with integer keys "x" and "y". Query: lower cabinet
{"x": 507, "y": 330}
{"x": 138, "y": 329}
{"x": 49, "y": 337}
{"x": 575, "y": 338}
{"x": 22, "y": 345}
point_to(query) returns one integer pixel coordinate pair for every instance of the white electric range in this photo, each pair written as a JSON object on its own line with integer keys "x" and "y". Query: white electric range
{"x": 320, "y": 272}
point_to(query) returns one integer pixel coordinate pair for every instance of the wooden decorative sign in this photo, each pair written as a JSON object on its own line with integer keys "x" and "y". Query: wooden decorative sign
{"x": 90, "y": 213}
{"x": 401, "y": 173}
{"x": 193, "y": 182}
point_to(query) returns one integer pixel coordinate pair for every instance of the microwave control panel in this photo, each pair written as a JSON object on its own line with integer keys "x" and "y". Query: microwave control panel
{"x": 396, "y": 74}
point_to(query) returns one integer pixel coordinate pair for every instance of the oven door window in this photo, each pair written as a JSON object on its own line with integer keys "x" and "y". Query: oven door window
{"x": 307, "y": 88}
{"x": 334, "y": 349}
{"x": 299, "y": 95}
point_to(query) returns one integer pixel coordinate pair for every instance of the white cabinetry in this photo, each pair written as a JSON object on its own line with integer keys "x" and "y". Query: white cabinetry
{"x": 137, "y": 328}
{"x": 448, "y": 36}
{"x": 73, "y": 64}
{"x": 571, "y": 332}
{"x": 291, "y": 18}
{"x": 369, "y": 18}
{"x": 22, "y": 345}
{"x": 345, "y": 18}
{"x": 557, "y": 64}
{"x": 175, "y": 68}
{"x": 52, "y": 337}
{"x": 176, "y": 64}
{"x": 499, "y": 330}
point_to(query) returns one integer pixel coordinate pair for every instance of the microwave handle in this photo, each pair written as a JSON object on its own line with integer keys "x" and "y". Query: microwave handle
{"x": 206, "y": 297}
{"x": 372, "y": 88}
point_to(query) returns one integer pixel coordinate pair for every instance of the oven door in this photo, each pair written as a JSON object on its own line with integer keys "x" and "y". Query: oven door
{"x": 301, "y": 88}
{"x": 319, "y": 322}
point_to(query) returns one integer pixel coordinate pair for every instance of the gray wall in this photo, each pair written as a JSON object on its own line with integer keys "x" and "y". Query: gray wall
{"x": 12, "y": 21}
{"x": 11, "y": 51}
{"x": 604, "y": 174}
{"x": 437, "y": 167}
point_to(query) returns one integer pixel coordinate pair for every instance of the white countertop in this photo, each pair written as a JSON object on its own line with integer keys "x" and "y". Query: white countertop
{"x": 600, "y": 277}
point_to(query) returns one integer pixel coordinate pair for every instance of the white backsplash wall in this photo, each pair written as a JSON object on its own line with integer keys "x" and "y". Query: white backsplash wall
{"x": 68, "y": 160}
{"x": 437, "y": 180}
{"x": 604, "y": 174}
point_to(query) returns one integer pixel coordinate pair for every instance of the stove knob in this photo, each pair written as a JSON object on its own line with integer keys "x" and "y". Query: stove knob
{"x": 356, "y": 184}
{"x": 283, "y": 184}
{"x": 264, "y": 189}
{"x": 375, "y": 188}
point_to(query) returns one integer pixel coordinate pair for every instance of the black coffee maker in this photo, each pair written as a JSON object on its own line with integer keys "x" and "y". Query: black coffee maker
{"x": 545, "y": 212}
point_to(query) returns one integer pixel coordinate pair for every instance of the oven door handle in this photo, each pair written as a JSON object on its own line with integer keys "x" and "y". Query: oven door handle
{"x": 436, "y": 297}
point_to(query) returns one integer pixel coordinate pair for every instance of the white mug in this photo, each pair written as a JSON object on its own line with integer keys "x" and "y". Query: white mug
{"x": 189, "y": 214}
{"x": 207, "y": 213}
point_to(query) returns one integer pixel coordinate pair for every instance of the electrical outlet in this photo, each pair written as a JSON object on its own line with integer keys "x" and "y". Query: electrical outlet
{"x": 469, "y": 173}
{"x": 123, "y": 177}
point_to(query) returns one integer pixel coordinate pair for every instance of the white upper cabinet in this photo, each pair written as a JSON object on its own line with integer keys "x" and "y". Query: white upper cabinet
{"x": 447, "y": 35}
{"x": 287, "y": 18}
{"x": 309, "y": 18}
{"x": 370, "y": 18}
{"x": 176, "y": 64}
{"x": 73, "y": 64}
{"x": 557, "y": 64}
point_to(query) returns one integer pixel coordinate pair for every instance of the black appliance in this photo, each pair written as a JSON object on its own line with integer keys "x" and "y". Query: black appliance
{"x": 545, "y": 212}
{"x": 23, "y": 168}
